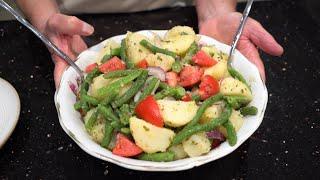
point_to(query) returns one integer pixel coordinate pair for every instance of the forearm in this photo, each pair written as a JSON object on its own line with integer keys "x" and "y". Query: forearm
{"x": 207, "y": 9}
{"x": 38, "y": 12}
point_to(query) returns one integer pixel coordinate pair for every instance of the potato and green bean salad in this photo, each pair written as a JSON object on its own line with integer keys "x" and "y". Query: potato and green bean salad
{"x": 163, "y": 99}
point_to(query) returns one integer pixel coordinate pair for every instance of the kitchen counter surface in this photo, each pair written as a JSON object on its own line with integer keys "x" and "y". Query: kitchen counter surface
{"x": 286, "y": 145}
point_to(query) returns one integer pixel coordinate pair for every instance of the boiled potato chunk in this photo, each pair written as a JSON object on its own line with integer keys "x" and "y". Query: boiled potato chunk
{"x": 150, "y": 138}
{"x": 197, "y": 145}
{"x": 179, "y": 39}
{"x": 178, "y": 151}
{"x": 160, "y": 60}
{"x": 97, "y": 131}
{"x": 211, "y": 112}
{"x": 100, "y": 81}
{"x": 218, "y": 71}
{"x": 135, "y": 51}
{"x": 177, "y": 113}
{"x": 236, "y": 120}
{"x": 107, "y": 49}
{"x": 215, "y": 53}
{"x": 231, "y": 86}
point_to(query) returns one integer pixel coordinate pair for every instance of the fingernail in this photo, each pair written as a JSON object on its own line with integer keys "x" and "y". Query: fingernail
{"x": 87, "y": 28}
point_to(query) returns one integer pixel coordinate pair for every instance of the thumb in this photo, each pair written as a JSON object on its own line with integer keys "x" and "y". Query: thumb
{"x": 69, "y": 25}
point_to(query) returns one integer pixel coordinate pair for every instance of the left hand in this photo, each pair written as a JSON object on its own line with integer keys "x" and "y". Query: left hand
{"x": 223, "y": 28}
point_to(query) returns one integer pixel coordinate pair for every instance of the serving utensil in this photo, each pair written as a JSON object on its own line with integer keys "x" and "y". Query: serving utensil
{"x": 239, "y": 30}
{"x": 43, "y": 38}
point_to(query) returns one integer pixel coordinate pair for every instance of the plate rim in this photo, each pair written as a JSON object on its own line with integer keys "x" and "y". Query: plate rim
{"x": 16, "y": 119}
{"x": 195, "y": 162}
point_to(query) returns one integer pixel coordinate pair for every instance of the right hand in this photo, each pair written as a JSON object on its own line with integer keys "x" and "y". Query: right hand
{"x": 65, "y": 32}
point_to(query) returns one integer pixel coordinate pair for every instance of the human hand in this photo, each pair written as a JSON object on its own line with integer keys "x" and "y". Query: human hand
{"x": 65, "y": 32}
{"x": 223, "y": 28}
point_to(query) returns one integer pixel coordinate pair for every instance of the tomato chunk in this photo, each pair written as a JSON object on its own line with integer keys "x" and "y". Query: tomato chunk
{"x": 90, "y": 67}
{"x": 187, "y": 97}
{"x": 142, "y": 64}
{"x": 112, "y": 65}
{"x": 149, "y": 111}
{"x": 190, "y": 75}
{"x": 202, "y": 59}
{"x": 172, "y": 79}
{"x": 208, "y": 87}
{"x": 124, "y": 147}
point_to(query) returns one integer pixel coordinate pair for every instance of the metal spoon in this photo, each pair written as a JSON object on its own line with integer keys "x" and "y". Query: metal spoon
{"x": 43, "y": 38}
{"x": 239, "y": 30}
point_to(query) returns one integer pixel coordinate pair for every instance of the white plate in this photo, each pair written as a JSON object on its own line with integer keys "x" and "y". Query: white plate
{"x": 9, "y": 110}
{"x": 72, "y": 124}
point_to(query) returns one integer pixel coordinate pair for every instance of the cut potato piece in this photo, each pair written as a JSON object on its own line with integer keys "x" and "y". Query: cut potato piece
{"x": 178, "y": 151}
{"x": 215, "y": 53}
{"x": 97, "y": 131}
{"x": 100, "y": 81}
{"x": 231, "y": 86}
{"x": 236, "y": 120}
{"x": 211, "y": 112}
{"x": 197, "y": 145}
{"x": 218, "y": 71}
{"x": 179, "y": 39}
{"x": 160, "y": 60}
{"x": 150, "y": 138}
{"x": 106, "y": 50}
{"x": 135, "y": 51}
{"x": 177, "y": 113}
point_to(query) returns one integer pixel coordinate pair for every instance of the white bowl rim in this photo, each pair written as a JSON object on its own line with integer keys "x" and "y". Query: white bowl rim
{"x": 135, "y": 164}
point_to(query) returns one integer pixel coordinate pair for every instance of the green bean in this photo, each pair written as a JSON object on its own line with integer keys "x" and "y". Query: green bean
{"x": 85, "y": 107}
{"x": 232, "y": 135}
{"x": 176, "y": 66}
{"x": 116, "y": 124}
{"x": 107, "y": 113}
{"x": 91, "y": 100}
{"x": 113, "y": 52}
{"x": 137, "y": 85}
{"x": 196, "y": 97}
{"x": 207, "y": 103}
{"x": 235, "y": 74}
{"x": 124, "y": 114}
{"x": 104, "y": 91}
{"x": 125, "y": 130}
{"x": 156, "y": 49}
{"x": 123, "y": 54}
{"x": 110, "y": 96}
{"x": 108, "y": 129}
{"x": 186, "y": 133}
{"x": 92, "y": 120}
{"x": 157, "y": 157}
{"x": 176, "y": 92}
{"x": 94, "y": 73}
{"x": 163, "y": 85}
{"x": 236, "y": 101}
{"x": 77, "y": 105}
{"x": 190, "y": 52}
{"x": 152, "y": 84}
{"x": 119, "y": 73}
{"x": 249, "y": 110}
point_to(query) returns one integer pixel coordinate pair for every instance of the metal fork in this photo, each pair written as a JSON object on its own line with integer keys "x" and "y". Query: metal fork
{"x": 239, "y": 30}
{"x": 43, "y": 38}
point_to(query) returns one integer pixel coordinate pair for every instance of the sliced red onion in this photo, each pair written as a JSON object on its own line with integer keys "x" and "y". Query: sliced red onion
{"x": 157, "y": 72}
{"x": 73, "y": 87}
{"x": 215, "y": 134}
{"x": 137, "y": 96}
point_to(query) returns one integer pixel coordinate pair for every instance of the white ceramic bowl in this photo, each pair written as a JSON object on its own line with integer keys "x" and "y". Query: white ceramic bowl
{"x": 72, "y": 124}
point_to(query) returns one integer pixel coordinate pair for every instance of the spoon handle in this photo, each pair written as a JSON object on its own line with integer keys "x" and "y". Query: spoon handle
{"x": 240, "y": 29}
{"x": 43, "y": 38}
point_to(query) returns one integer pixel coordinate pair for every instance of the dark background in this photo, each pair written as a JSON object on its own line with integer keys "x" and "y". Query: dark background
{"x": 286, "y": 145}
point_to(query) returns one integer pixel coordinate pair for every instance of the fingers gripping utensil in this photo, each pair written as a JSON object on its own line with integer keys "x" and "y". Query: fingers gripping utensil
{"x": 239, "y": 30}
{"x": 43, "y": 38}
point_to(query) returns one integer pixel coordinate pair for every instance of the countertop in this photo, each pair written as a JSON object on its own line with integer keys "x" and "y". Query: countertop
{"x": 286, "y": 145}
